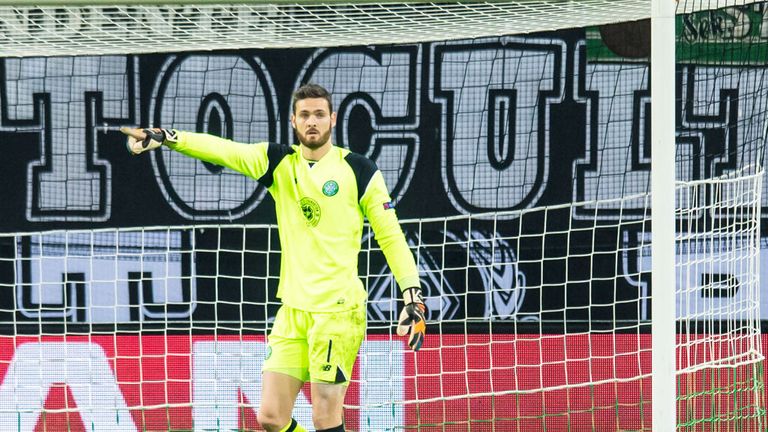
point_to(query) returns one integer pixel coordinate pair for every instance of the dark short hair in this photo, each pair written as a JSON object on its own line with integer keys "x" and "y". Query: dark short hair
{"x": 312, "y": 91}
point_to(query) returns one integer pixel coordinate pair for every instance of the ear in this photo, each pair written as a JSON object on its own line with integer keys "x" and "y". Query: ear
{"x": 293, "y": 120}
{"x": 333, "y": 119}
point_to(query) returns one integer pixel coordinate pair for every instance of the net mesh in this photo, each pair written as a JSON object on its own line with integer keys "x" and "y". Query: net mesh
{"x": 93, "y": 29}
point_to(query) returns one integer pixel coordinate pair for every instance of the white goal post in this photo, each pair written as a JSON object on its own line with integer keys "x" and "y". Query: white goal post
{"x": 553, "y": 310}
{"x": 663, "y": 217}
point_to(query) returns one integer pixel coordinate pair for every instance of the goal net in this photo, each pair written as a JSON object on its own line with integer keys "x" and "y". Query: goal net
{"x": 136, "y": 293}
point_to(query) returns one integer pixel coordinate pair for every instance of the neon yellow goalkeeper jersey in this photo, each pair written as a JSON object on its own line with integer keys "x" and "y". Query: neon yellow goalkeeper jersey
{"x": 320, "y": 211}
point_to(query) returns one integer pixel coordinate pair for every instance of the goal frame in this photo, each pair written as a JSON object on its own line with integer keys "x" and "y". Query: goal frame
{"x": 662, "y": 13}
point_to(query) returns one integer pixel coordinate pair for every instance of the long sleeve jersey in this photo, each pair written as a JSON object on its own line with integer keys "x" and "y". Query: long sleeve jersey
{"x": 320, "y": 212}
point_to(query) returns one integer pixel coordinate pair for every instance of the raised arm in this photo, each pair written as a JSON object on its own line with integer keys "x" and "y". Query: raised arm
{"x": 249, "y": 159}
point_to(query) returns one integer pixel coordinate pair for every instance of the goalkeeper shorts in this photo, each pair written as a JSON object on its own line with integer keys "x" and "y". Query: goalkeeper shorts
{"x": 315, "y": 346}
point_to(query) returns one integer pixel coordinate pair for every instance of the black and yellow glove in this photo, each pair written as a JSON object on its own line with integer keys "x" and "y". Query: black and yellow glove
{"x": 412, "y": 318}
{"x": 142, "y": 140}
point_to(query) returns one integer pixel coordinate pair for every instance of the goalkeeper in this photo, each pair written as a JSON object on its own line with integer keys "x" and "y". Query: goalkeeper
{"x": 322, "y": 193}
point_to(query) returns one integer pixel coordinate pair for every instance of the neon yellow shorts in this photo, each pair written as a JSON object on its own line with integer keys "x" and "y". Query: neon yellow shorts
{"x": 315, "y": 346}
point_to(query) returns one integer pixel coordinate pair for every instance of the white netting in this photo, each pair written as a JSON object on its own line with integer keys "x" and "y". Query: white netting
{"x": 56, "y": 31}
{"x": 576, "y": 362}
{"x": 718, "y": 249}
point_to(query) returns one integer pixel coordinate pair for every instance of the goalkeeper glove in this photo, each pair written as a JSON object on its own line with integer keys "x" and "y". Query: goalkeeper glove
{"x": 141, "y": 140}
{"x": 412, "y": 318}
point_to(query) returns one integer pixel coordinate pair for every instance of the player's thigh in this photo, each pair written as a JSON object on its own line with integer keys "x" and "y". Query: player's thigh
{"x": 327, "y": 404}
{"x": 278, "y": 396}
{"x": 334, "y": 341}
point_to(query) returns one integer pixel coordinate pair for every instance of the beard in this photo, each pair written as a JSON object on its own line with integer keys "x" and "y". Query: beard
{"x": 316, "y": 141}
